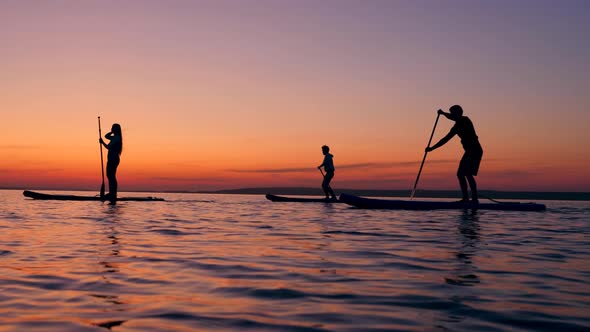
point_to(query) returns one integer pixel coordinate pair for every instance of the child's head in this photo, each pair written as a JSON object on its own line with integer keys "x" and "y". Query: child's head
{"x": 325, "y": 149}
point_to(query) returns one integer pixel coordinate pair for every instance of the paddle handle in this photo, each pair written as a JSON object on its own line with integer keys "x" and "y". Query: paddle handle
{"x": 101, "y": 158}
{"x": 424, "y": 158}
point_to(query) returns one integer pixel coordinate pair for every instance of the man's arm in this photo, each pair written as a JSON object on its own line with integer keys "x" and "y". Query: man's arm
{"x": 447, "y": 115}
{"x": 442, "y": 141}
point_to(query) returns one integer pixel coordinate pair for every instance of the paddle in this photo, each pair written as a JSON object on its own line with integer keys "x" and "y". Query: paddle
{"x": 423, "y": 159}
{"x": 101, "y": 160}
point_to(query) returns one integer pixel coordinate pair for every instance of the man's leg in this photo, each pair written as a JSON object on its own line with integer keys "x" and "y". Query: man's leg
{"x": 462, "y": 172}
{"x": 473, "y": 186}
{"x": 463, "y": 184}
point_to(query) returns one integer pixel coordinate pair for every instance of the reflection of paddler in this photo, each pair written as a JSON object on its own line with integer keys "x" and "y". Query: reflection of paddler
{"x": 115, "y": 147}
{"x": 328, "y": 166}
{"x": 469, "y": 164}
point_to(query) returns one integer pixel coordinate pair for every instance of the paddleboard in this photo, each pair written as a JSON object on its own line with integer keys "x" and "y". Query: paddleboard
{"x": 41, "y": 196}
{"x": 371, "y": 203}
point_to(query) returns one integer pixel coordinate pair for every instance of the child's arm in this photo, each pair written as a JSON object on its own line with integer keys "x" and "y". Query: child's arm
{"x": 323, "y": 163}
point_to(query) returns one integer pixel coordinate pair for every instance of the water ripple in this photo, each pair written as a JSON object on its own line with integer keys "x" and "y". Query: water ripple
{"x": 236, "y": 263}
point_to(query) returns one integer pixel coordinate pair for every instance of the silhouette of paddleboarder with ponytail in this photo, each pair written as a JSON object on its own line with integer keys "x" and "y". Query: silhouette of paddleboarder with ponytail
{"x": 115, "y": 147}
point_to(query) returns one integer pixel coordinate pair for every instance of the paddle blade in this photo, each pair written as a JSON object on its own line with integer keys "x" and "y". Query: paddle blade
{"x": 102, "y": 191}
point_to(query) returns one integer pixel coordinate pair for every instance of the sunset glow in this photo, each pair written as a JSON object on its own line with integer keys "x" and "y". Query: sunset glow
{"x": 231, "y": 94}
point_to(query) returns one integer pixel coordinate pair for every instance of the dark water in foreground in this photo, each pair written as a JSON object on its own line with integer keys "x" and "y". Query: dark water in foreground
{"x": 237, "y": 263}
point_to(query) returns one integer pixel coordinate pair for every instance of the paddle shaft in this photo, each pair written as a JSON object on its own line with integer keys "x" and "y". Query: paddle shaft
{"x": 424, "y": 158}
{"x": 101, "y": 159}
{"x": 322, "y": 172}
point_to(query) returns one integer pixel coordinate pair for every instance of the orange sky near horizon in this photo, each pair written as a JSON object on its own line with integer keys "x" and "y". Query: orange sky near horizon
{"x": 218, "y": 95}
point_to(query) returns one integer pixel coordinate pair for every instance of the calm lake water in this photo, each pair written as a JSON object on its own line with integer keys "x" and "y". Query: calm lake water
{"x": 237, "y": 263}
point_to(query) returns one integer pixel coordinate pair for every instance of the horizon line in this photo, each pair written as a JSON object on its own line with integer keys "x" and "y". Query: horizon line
{"x": 233, "y": 190}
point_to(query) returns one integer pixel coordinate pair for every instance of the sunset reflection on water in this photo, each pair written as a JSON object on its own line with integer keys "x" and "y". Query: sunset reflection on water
{"x": 223, "y": 262}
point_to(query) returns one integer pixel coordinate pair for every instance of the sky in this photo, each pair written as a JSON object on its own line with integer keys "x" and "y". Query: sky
{"x": 233, "y": 94}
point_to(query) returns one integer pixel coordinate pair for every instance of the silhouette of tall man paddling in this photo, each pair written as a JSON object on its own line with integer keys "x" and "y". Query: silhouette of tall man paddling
{"x": 469, "y": 164}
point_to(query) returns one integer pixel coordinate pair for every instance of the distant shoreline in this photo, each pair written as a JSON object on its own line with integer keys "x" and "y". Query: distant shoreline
{"x": 302, "y": 191}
